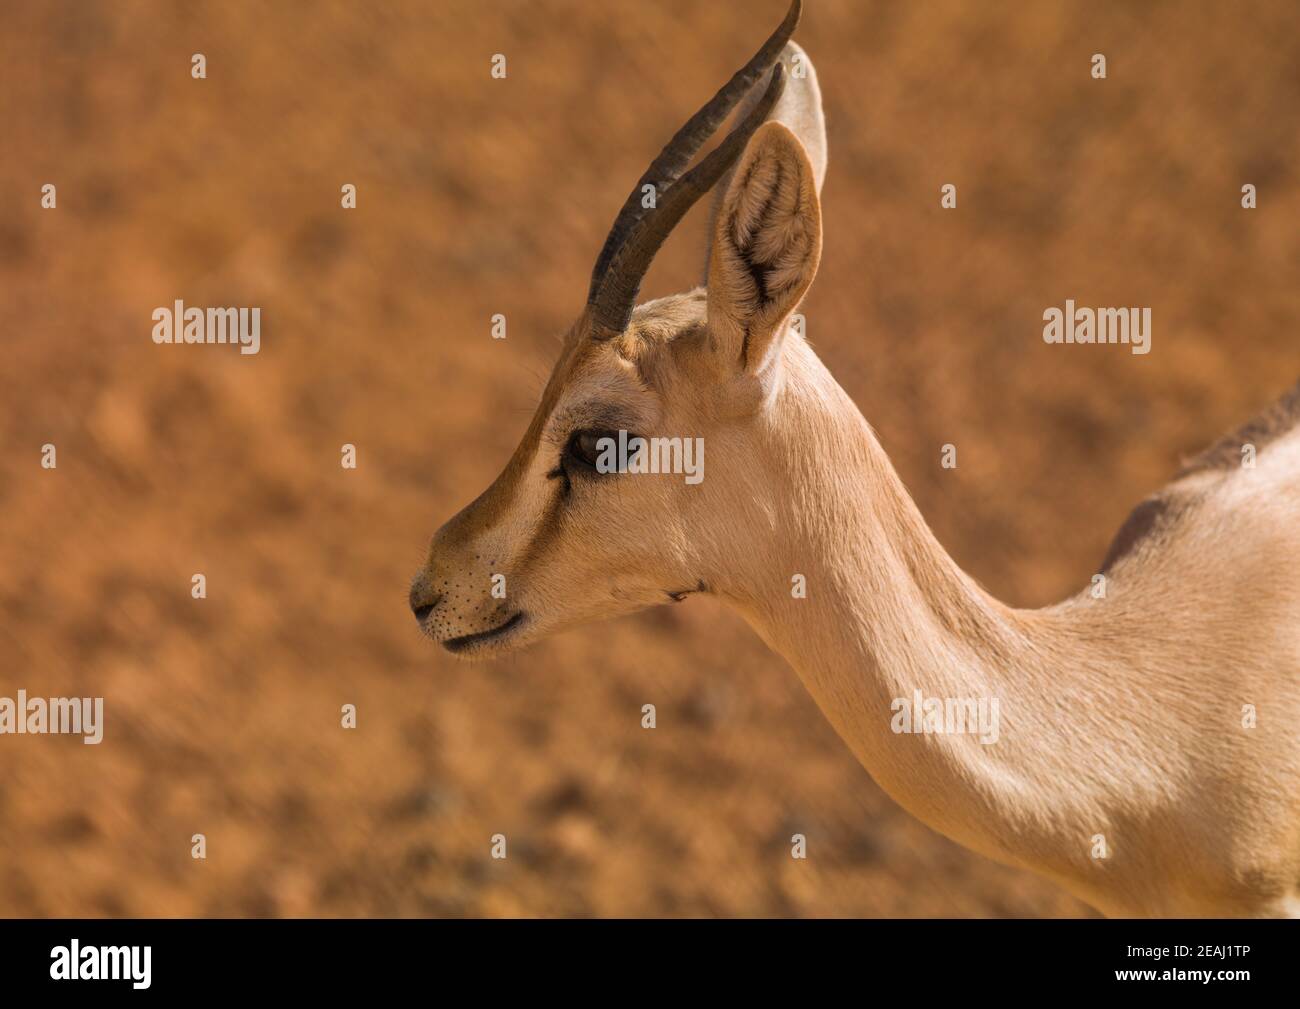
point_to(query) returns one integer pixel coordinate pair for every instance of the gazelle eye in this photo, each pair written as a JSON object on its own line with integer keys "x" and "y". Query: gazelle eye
{"x": 585, "y": 447}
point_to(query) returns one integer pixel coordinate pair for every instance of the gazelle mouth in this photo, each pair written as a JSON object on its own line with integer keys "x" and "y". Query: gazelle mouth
{"x": 468, "y": 641}
{"x": 680, "y": 594}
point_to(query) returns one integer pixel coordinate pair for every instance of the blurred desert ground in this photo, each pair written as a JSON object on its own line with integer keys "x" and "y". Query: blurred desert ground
{"x": 479, "y": 196}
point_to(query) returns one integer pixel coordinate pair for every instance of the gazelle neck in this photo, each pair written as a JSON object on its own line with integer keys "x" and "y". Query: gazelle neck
{"x": 887, "y": 614}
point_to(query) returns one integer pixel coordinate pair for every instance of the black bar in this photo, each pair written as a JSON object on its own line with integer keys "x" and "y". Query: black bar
{"x": 481, "y": 959}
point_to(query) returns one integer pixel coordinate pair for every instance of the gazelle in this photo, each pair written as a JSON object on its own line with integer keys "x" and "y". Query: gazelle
{"x": 1147, "y": 756}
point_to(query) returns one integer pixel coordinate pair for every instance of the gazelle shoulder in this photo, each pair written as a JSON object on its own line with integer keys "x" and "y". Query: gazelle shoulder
{"x": 1269, "y": 426}
{"x": 1271, "y": 436}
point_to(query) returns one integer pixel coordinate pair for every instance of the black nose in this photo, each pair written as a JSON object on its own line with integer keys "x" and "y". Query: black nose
{"x": 420, "y": 607}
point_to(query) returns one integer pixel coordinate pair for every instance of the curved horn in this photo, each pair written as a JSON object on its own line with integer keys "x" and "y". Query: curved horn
{"x": 614, "y": 299}
{"x": 617, "y": 275}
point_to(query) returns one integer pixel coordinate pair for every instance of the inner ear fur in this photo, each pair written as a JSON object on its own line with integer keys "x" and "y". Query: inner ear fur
{"x": 766, "y": 246}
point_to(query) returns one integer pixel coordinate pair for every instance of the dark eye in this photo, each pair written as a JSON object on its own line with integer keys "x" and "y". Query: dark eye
{"x": 586, "y": 447}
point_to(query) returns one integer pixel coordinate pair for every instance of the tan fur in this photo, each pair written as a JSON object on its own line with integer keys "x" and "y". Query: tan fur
{"x": 1121, "y": 716}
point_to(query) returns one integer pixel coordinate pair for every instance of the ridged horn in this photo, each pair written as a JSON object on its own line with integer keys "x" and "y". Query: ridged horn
{"x": 638, "y": 232}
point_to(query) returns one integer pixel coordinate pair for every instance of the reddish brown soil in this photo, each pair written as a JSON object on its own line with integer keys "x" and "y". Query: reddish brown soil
{"x": 479, "y": 196}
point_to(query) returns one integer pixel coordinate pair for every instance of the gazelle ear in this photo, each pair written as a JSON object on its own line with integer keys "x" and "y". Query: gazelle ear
{"x": 800, "y": 108}
{"x": 767, "y": 241}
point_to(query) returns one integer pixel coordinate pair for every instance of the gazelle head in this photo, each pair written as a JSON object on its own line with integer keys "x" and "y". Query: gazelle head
{"x": 558, "y": 539}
